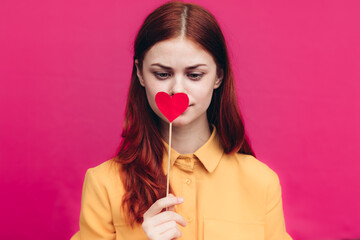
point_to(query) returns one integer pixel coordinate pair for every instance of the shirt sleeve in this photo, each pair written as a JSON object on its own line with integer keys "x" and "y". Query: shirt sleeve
{"x": 274, "y": 219}
{"x": 95, "y": 216}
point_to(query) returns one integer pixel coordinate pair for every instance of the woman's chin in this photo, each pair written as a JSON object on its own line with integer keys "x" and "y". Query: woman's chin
{"x": 186, "y": 119}
{"x": 183, "y": 121}
{"x": 179, "y": 124}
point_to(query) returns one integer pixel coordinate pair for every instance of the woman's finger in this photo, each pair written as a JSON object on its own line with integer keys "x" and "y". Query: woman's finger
{"x": 172, "y": 233}
{"x": 160, "y": 229}
{"x": 172, "y": 208}
{"x": 168, "y": 216}
{"x": 162, "y": 203}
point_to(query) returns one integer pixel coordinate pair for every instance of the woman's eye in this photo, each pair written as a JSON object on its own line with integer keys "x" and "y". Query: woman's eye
{"x": 195, "y": 76}
{"x": 162, "y": 75}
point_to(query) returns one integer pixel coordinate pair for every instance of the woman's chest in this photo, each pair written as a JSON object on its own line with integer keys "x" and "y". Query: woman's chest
{"x": 219, "y": 206}
{"x": 216, "y": 206}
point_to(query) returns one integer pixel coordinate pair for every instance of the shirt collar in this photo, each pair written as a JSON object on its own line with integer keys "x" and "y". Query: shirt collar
{"x": 209, "y": 154}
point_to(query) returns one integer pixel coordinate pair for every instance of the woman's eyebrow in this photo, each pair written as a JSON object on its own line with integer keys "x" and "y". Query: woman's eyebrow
{"x": 195, "y": 66}
{"x": 169, "y": 68}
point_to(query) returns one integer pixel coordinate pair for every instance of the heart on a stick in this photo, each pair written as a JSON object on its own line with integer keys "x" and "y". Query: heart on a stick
{"x": 171, "y": 106}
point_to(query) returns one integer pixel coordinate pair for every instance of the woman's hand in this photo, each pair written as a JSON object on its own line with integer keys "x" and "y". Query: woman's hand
{"x": 160, "y": 225}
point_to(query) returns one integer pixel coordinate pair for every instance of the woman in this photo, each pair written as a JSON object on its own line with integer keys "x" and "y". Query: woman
{"x": 219, "y": 190}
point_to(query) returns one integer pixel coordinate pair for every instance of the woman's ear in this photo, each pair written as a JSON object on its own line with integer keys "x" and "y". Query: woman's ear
{"x": 219, "y": 79}
{"x": 138, "y": 73}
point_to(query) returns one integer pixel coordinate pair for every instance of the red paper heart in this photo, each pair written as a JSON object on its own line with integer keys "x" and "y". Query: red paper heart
{"x": 171, "y": 107}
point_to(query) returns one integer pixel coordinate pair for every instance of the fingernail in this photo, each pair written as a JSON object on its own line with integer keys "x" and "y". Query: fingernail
{"x": 180, "y": 199}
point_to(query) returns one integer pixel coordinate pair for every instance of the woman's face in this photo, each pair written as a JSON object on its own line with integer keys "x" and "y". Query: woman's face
{"x": 179, "y": 65}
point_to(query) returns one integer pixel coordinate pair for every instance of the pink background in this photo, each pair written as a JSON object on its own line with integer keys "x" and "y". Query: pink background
{"x": 64, "y": 72}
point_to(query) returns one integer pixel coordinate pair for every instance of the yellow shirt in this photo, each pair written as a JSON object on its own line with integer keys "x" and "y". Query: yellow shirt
{"x": 226, "y": 196}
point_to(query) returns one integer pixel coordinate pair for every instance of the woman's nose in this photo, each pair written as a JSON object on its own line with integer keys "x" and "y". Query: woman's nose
{"x": 177, "y": 85}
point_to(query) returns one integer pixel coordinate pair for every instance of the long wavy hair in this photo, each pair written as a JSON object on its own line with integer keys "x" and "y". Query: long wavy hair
{"x": 141, "y": 150}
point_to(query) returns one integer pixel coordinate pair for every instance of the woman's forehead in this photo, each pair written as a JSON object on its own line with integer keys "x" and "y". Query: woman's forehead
{"x": 177, "y": 51}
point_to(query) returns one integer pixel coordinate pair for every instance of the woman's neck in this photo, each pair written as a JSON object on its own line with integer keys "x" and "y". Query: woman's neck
{"x": 189, "y": 138}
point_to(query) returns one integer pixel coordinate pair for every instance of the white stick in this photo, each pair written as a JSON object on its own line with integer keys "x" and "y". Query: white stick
{"x": 168, "y": 170}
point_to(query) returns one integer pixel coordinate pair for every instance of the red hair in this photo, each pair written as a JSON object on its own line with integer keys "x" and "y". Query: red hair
{"x": 141, "y": 150}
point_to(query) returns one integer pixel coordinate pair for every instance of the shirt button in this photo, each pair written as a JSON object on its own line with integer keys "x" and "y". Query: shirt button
{"x": 188, "y": 181}
{"x": 189, "y": 219}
